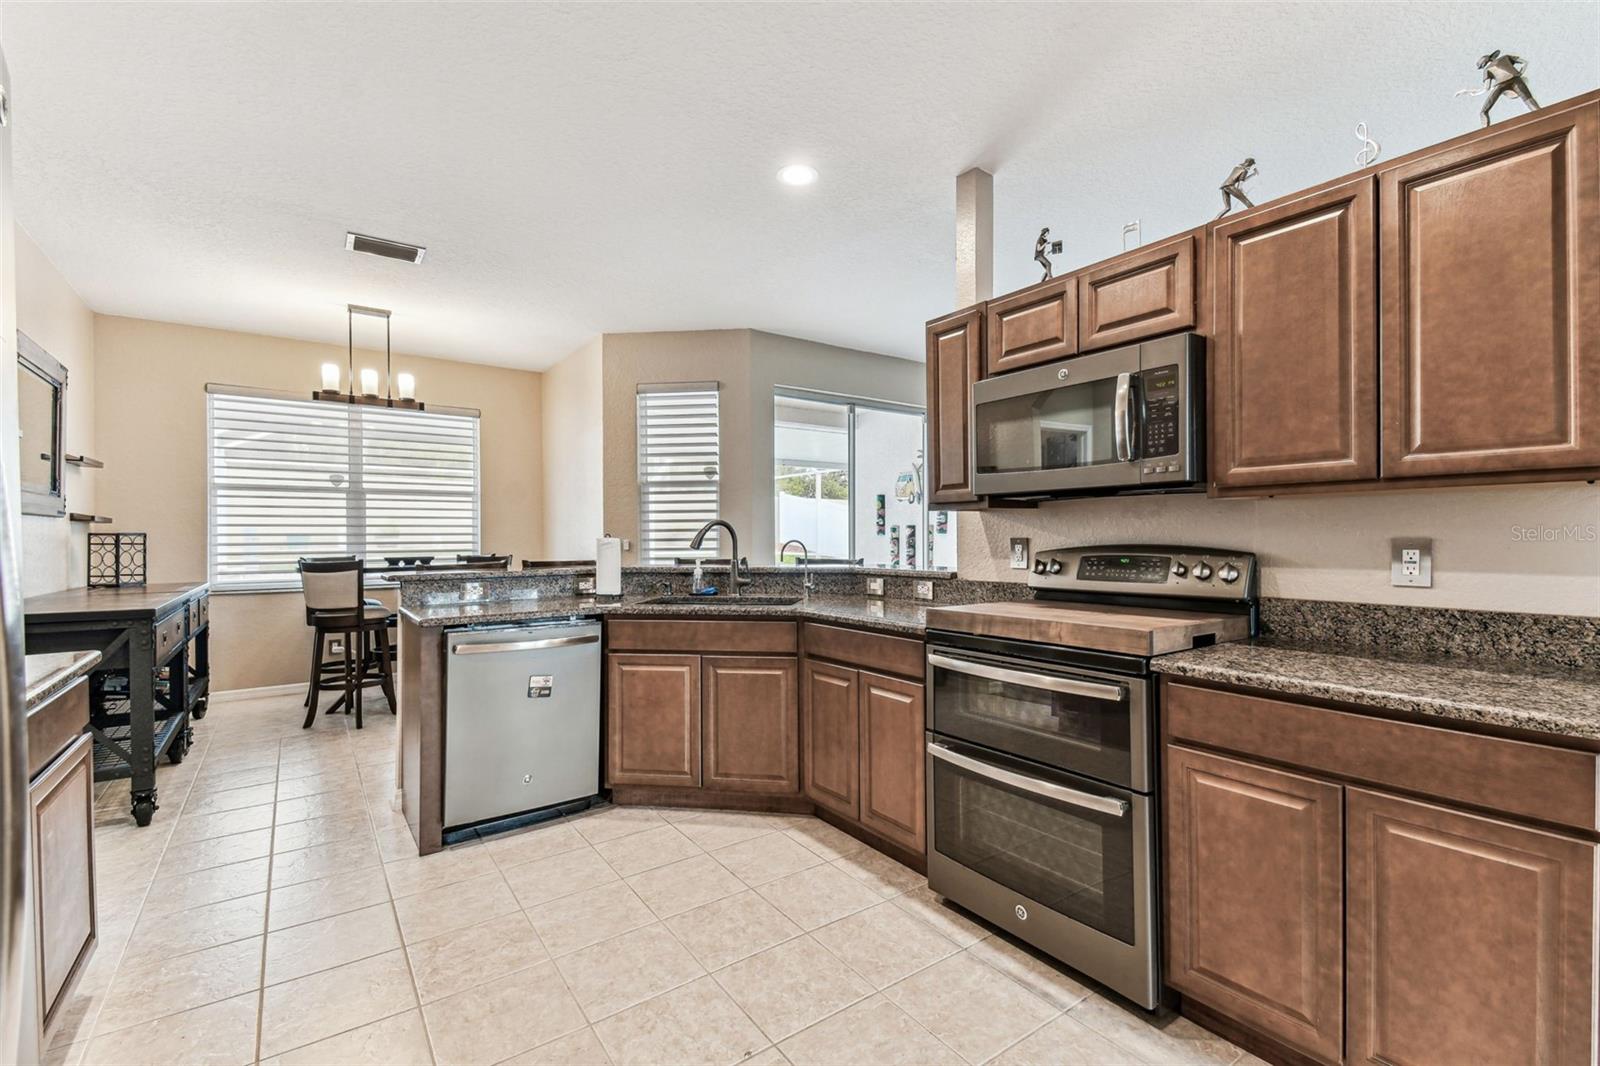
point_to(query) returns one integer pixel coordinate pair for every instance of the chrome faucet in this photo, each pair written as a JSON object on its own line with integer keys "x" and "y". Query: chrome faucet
{"x": 805, "y": 561}
{"x": 735, "y": 579}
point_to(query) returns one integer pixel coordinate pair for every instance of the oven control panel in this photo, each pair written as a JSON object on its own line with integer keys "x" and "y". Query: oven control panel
{"x": 1151, "y": 570}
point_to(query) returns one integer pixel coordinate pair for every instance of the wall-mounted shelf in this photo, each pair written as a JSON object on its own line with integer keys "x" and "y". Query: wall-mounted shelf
{"x": 83, "y": 460}
{"x": 98, "y": 519}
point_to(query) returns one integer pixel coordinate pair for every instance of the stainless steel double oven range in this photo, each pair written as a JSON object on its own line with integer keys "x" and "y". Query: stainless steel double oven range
{"x": 1042, "y": 741}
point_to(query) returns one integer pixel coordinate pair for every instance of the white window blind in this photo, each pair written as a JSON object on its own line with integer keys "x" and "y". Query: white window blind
{"x": 290, "y": 478}
{"x": 679, "y": 468}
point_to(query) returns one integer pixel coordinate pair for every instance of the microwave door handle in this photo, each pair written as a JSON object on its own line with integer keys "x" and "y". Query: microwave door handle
{"x": 1123, "y": 420}
{"x": 1048, "y": 789}
{"x": 1111, "y": 693}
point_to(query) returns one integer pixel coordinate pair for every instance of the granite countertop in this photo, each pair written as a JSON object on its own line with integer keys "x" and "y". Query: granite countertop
{"x": 1544, "y": 700}
{"x": 49, "y": 674}
{"x": 889, "y": 616}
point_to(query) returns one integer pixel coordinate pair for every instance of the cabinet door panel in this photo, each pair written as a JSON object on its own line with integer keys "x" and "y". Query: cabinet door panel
{"x": 1037, "y": 325}
{"x": 955, "y": 344}
{"x": 752, "y": 730}
{"x": 832, "y": 737}
{"x": 1141, "y": 294}
{"x": 62, "y": 802}
{"x": 1471, "y": 939}
{"x": 653, "y": 703}
{"x": 1255, "y": 904}
{"x": 892, "y": 762}
{"x": 1294, "y": 349}
{"x": 1491, "y": 302}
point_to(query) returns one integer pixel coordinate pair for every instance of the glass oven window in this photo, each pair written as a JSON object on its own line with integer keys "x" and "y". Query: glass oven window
{"x": 1061, "y": 429}
{"x": 1088, "y": 734}
{"x": 1075, "y": 861}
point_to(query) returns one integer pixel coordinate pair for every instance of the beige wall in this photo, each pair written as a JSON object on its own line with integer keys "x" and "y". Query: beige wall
{"x": 1532, "y": 548}
{"x": 53, "y": 550}
{"x": 151, "y": 416}
{"x": 574, "y": 441}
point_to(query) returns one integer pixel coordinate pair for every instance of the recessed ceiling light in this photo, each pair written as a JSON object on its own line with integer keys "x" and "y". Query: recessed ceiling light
{"x": 798, "y": 174}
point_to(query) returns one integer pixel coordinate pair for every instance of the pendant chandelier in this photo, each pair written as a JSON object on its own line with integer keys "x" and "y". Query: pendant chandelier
{"x": 406, "y": 384}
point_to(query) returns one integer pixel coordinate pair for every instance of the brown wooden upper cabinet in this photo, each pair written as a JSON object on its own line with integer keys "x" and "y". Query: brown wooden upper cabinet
{"x": 1037, "y": 325}
{"x": 653, "y": 703}
{"x": 1294, "y": 349}
{"x": 751, "y": 724}
{"x": 1143, "y": 293}
{"x": 955, "y": 346}
{"x": 1266, "y": 950}
{"x": 1491, "y": 301}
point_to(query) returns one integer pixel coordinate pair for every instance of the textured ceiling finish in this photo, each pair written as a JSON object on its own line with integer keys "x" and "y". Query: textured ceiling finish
{"x": 577, "y": 169}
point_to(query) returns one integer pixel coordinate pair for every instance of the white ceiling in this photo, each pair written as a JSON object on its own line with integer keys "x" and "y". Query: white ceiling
{"x": 587, "y": 168}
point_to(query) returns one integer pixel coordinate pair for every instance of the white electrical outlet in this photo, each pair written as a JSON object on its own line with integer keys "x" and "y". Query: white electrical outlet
{"x": 1019, "y": 553}
{"x": 586, "y": 586}
{"x": 923, "y": 590}
{"x": 874, "y": 586}
{"x": 1411, "y": 563}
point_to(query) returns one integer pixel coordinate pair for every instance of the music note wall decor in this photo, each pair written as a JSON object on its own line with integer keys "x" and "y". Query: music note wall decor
{"x": 1369, "y": 147}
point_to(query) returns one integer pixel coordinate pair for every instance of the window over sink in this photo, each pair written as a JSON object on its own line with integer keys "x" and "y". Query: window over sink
{"x": 680, "y": 468}
{"x": 288, "y": 478}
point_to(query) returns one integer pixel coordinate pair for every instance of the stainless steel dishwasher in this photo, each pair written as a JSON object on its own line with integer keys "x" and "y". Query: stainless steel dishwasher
{"x": 522, "y": 719}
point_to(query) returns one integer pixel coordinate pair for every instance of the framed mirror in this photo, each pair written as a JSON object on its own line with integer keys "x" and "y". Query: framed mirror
{"x": 41, "y": 395}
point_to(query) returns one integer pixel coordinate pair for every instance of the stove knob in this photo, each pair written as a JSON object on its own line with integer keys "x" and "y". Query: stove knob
{"x": 1038, "y": 566}
{"x": 1202, "y": 570}
{"x": 1055, "y": 566}
{"x": 1179, "y": 570}
{"x": 1229, "y": 573}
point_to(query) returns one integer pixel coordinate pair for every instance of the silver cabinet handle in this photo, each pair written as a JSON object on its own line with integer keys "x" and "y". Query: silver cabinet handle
{"x": 1091, "y": 689}
{"x": 523, "y": 645}
{"x": 1070, "y": 796}
{"x": 1127, "y": 442}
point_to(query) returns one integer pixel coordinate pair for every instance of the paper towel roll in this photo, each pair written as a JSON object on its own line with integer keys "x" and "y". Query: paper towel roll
{"x": 608, "y": 566}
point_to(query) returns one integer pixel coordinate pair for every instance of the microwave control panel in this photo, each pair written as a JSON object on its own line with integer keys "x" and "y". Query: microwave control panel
{"x": 1145, "y": 569}
{"x": 1160, "y": 427}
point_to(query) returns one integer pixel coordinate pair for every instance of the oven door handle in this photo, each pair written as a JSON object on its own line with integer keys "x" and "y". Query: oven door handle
{"x": 1093, "y": 690}
{"x": 1048, "y": 789}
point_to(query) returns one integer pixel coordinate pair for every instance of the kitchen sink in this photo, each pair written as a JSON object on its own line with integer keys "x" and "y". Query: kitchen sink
{"x": 674, "y": 599}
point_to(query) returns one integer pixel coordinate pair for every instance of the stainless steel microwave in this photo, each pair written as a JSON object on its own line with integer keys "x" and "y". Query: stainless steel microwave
{"x": 1129, "y": 419}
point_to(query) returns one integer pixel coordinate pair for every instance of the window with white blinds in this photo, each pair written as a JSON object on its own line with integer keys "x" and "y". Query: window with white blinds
{"x": 291, "y": 478}
{"x": 679, "y": 468}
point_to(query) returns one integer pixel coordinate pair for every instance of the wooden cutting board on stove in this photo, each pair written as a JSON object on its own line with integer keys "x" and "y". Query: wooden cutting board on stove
{"x": 1102, "y": 627}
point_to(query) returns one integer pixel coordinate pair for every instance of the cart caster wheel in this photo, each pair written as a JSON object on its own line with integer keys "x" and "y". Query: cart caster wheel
{"x": 199, "y": 711}
{"x": 176, "y": 753}
{"x": 144, "y": 809}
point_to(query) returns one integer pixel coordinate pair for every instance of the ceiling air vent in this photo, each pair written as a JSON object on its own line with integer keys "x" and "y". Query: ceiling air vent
{"x": 410, "y": 253}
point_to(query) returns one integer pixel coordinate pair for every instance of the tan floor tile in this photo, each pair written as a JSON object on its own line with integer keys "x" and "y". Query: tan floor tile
{"x": 313, "y": 831}
{"x": 316, "y": 784}
{"x": 824, "y": 839}
{"x": 718, "y": 829}
{"x": 589, "y": 917}
{"x": 873, "y": 1031}
{"x": 320, "y": 805}
{"x": 396, "y": 843}
{"x": 767, "y": 858}
{"x": 230, "y": 799}
{"x": 1048, "y": 980}
{"x": 420, "y": 873}
{"x": 696, "y": 1023}
{"x": 615, "y": 974}
{"x": 224, "y": 823}
{"x": 581, "y": 1048}
{"x": 223, "y": 1033}
{"x": 221, "y": 778}
{"x": 1170, "y": 1039}
{"x": 323, "y": 1004}
{"x": 543, "y": 880}
{"x": 71, "y": 1054}
{"x": 731, "y": 929}
{"x": 947, "y": 918}
{"x": 180, "y": 892}
{"x": 398, "y": 1040}
{"x": 506, "y": 1017}
{"x": 885, "y": 944}
{"x": 456, "y": 961}
{"x": 787, "y": 988}
{"x": 309, "y": 901}
{"x": 167, "y": 935}
{"x": 539, "y": 842}
{"x": 880, "y": 873}
{"x": 813, "y": 898}
{"x": 975, "y": 1009}
{"x": 646, "y": 850}
{"x": 167, "y": 986}
{"x": 321, "y": 945}
{"x": 444, "y": 910}
{"x": 689, "y": 883}
{"x": 217, "y": 851}
{"x": 608, "y": 823}
{"x": 323, "y": 860}
{"x": 1065, "y": 1042}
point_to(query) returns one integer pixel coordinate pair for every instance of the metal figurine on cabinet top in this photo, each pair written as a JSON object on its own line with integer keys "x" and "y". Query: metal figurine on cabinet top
{"x": 1233, "y": 187}
{"x": 1043, "y": 248}
{"x": 1503, "y": 73}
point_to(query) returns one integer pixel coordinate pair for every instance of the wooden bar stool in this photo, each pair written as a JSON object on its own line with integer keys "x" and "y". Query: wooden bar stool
{"x": 336, "y": 605}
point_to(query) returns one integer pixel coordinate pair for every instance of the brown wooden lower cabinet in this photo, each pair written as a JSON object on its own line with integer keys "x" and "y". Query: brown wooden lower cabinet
{"x": 1255, "y": 897}
{"x": 653, "y": 719}
{"x": 61, "y": 800}
{"x": 831, "y": 699}
{"x": 1471, "y": 939}
{"x": 892, "y": 763}
{"x": 750, "y": 723}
